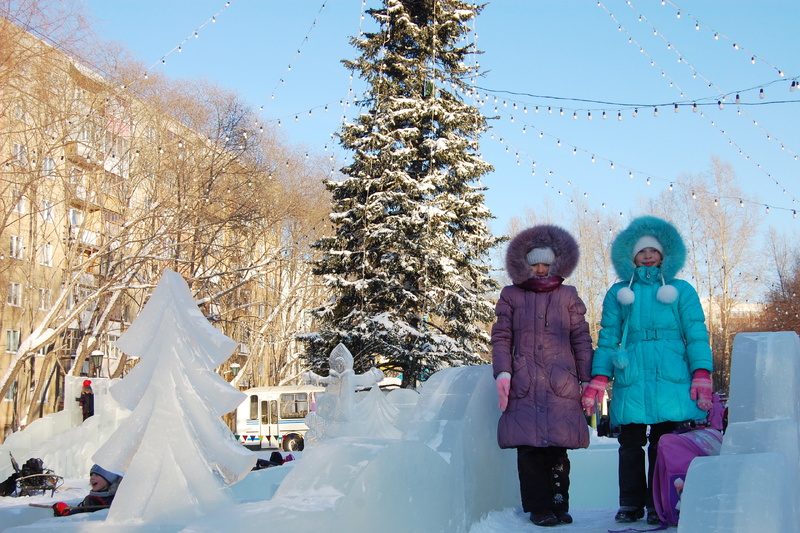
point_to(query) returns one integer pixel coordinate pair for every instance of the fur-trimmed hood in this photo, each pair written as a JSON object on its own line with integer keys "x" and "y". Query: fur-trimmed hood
{"x": 667, "y": 235}
{"x": 558, "y": 239}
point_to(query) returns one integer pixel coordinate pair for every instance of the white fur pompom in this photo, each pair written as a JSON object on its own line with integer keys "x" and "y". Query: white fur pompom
{"x": 667, "y": 294}
{"x": 625, "y": 296}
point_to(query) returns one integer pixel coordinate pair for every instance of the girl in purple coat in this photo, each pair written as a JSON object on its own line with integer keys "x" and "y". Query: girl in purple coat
{"x": 541, "y": 353}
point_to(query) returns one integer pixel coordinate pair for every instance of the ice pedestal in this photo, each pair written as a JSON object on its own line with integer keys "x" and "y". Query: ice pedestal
{"x": 752, "y": 485}
{"x": 443, "y": 474}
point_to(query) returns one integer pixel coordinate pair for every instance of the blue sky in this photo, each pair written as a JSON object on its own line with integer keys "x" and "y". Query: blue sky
{"x": 577, "y": 55}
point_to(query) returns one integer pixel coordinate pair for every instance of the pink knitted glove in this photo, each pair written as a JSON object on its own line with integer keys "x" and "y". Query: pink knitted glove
{"x": 503, "y": 388}
{"x": 593, "y": 393}
{"x": 701, "y": 388}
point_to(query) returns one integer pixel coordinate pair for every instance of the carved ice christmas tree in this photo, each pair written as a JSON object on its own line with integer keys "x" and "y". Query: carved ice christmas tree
{"x": 176, "y": 453}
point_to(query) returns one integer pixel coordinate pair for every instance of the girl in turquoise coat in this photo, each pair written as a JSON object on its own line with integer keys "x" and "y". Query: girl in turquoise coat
{"x": 654, "y": 345}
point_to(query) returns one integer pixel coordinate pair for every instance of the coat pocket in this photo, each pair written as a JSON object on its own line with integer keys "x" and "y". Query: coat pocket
{"x": 520, "y": 378}
{"x": 674, "y": 366}
{"x": 564, "y": 382}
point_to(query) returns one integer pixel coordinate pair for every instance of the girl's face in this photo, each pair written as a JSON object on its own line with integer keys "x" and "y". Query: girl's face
{"x": 98, "y": 483}
{"x": 648, "y": 257}
{"x": 540, "y": 270}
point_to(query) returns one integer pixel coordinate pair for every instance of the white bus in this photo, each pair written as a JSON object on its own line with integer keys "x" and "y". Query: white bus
{"x": 274, "y": 417}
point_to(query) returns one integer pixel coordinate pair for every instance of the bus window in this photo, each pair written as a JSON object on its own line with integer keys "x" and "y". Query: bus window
{"x": 264, "y": 412}
{"x": 273, "y": 411}
{"x": 253, "y": 407}
{"x": 294, "y": 405}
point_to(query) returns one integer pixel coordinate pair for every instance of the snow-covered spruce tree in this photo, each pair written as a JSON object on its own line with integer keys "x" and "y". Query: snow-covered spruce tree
{"x": 407, "y": 266}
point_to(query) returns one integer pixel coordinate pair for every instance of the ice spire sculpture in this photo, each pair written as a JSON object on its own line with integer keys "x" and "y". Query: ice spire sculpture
{"x": 176, "y": 453}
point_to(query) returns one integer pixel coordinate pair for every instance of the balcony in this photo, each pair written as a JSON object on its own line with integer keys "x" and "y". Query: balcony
{"x": 82, "y": 198}
{"x": 81, "y": 154}
{"x": 86, "y": 239}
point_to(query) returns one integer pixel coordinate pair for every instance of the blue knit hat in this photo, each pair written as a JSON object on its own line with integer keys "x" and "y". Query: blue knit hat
{"x": 111, "y": 477}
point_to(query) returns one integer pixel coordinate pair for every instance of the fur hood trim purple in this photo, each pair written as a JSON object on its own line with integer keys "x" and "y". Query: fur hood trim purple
{"x": 558, "y": 239}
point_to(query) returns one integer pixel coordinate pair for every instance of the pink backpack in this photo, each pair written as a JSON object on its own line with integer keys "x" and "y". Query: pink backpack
{"x": 675, "y": 453}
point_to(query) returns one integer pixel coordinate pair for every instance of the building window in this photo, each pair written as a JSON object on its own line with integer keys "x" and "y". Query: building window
{"x": 45, "y": 299}
{"x": 17, "y": 248}
{"x": 12, "y": 340}
{"x": 75, "y": 217}
{"x": 12, "y": 391}
{"x": 14, "y": 294}
{"x": 19, "y": 201}
{"x": 47, "y": 211}
{"x": 49, "y": 167}
{"x": 20, "y": 154}
{"x": 46, "y": 252}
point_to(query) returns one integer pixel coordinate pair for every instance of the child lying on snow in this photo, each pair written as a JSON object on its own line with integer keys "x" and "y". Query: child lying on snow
{"x": 104, "y": 487}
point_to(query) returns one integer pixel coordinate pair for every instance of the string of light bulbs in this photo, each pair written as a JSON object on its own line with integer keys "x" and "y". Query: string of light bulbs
{"x": 722, "y": 95}
{"x": 195, "y": 34}
{"x": 595, "y": 157}
{"x": 742, "y": 152}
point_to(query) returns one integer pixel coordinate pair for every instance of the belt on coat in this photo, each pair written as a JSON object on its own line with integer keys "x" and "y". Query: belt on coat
{"x": 654, "y": 335}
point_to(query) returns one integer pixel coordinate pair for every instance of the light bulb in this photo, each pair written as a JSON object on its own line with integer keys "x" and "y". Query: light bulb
{"x": 694, "y": 107}
{"x": 635, "y": 112}
{"x": 630, "y": 174}
{"x": 604, "y": 115}
{"x": 697, "y": 26}
{"x": 670, "y": 186}
{"x": 720, "y": 104}
{"x": 619, "y": 115}
{"x": 752, "y": 60}
{"x": 574, "y": 151}
{"x": 558, "y": 142}
{"x": 767, "y": 210}
{"x": 793, "y": 86}
{"x": 761, "y": 93}
{"x": 741, "y": 203}
{"x": 676, "y": 108}
{"x": 561, "y": 111}
{"x": 549, "y": 110}
{"x": 655, "y": 111}
{"x": 678, "y": 15}
{"x": 694, "y": 196}
{"x": 592, "y": 158}
{"x": 589, "y": 115}
{"x": 612, "y": 165}
{"x": 738, "y": 99}
{"x": 574, "y": 115}
{"x": 647, "y": 182}
{"x": 735, "y": 46}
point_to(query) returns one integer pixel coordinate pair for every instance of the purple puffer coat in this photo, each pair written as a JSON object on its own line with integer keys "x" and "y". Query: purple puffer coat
{"x": 542, "y": 339}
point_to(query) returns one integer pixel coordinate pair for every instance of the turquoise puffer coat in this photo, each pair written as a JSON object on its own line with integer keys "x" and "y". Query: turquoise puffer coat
{"x": 663, "y": 342}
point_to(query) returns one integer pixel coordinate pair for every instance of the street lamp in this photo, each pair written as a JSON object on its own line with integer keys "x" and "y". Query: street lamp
{"x": 96, "y": 358}
{"x": 235, "y": 369}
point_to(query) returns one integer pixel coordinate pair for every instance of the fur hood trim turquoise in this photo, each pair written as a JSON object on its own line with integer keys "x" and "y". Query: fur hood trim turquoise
{"x": 674, "y": 252}
{"x": 558, "y": 239}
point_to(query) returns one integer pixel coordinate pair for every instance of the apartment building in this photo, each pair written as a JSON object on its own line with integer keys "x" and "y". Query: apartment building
{"x": 100, "y": 191}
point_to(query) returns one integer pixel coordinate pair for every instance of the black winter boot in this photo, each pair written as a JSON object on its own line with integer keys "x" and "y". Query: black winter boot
{"x": 544, "y": 517}
{"x": 626, "y": 515}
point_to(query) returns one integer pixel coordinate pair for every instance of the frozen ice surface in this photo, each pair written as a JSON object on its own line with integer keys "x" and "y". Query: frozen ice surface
{"x": 445, "y": 473}
{"x": 753, "y": 484}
